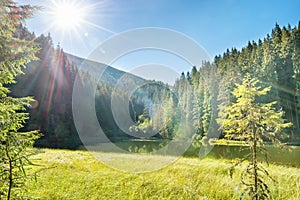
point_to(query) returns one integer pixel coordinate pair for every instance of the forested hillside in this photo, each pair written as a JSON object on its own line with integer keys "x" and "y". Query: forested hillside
{"x": 273, "y": 60}
{"x": 196, "y": 97}
{"x": 50, "y": 81}
{"x": 206, "y": 90}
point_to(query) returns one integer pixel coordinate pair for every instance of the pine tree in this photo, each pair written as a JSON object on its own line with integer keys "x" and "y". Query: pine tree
{"x": 15, "y": 52}
{"x": 252, "y": 122}
{"x": 296, "y": 67}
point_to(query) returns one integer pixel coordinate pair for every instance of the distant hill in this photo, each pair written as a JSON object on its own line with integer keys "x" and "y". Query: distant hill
{"x": 50, "y": 81}
{"x": 111, "y": 75}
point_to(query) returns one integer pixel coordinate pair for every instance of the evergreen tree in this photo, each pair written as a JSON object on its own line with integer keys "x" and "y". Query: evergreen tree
{"x": 253, "y": 122}
{"x": 15, "y": 52}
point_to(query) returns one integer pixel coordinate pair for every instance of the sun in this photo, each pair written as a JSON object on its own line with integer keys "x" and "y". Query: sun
{"x": 67, "y": 15}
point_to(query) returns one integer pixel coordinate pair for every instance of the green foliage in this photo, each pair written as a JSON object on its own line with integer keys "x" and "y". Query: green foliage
{"x": 274, "y": 61}
{"x": 15, "y": 52}
{"x": 253, "y": 122}
{"x": 160, "y": 115}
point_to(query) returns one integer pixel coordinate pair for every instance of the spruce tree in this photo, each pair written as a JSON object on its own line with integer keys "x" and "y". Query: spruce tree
{"x": 14, "y": 145}
{"x": 253, "y": 122}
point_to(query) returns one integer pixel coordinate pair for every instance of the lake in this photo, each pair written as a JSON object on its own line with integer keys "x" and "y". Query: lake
{"x": 289, "y": 156}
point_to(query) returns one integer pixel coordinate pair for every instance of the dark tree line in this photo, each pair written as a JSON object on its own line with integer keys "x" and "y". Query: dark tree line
{"x": 49, "y": 80}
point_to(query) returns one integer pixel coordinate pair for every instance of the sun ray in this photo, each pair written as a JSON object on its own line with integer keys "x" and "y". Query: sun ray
{"x": 99, "y": 27}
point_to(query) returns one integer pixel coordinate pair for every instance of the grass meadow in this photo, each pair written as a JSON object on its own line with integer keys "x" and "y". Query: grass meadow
{"x": 79, "y": 175}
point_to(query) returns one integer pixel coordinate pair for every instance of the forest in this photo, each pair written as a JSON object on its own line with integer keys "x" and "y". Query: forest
{"x": 196, "y": 97}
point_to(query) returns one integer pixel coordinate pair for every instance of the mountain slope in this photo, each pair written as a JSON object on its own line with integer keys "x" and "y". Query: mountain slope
{"x": 111, "y": 75}
{"x": 50, "y": 81}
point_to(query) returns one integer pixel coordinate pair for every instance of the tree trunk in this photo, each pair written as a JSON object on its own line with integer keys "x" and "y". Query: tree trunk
{"x": 10, "y": 177}
{"x": 254, "y": 160}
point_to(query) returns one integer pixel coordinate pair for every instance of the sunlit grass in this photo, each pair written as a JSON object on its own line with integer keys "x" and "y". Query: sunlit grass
{"x": 78, "y": 175}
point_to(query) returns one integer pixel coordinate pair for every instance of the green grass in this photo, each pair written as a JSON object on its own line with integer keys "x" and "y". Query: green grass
{"x": 79, "y": 175}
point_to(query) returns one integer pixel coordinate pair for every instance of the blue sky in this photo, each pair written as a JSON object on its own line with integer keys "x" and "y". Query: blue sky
{"x": 215, "y": 25}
